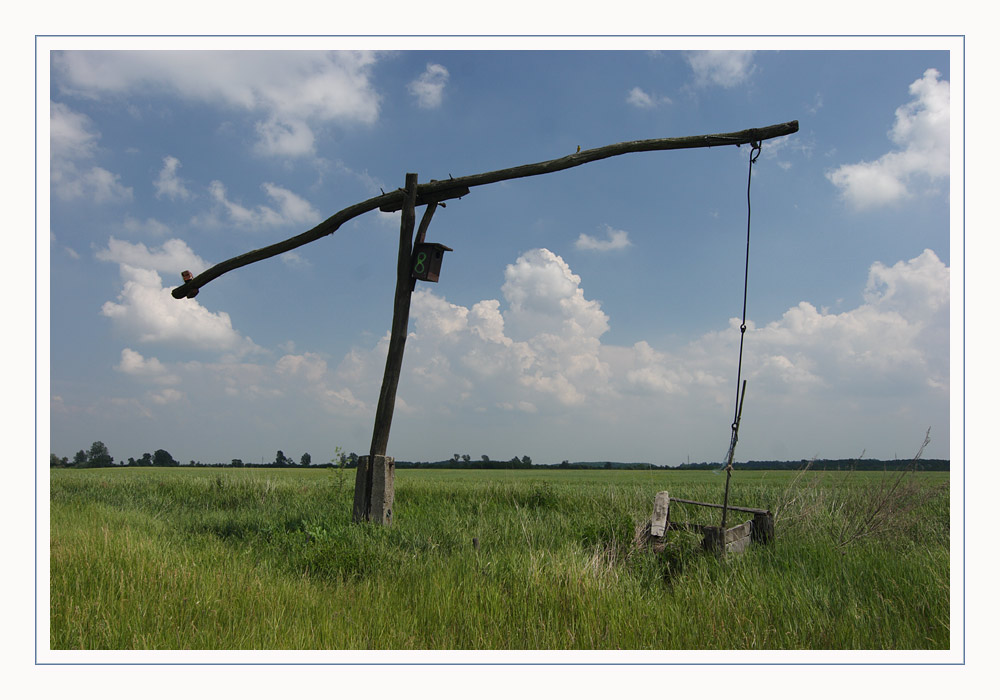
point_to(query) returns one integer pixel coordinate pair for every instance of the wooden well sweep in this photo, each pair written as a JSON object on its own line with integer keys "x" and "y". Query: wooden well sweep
{"x": 373, "y": 484}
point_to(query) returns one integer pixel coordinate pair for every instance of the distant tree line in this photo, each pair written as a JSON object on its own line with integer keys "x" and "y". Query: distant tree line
{"x": 464, "y": 462}
{"x": 99, "y": 456}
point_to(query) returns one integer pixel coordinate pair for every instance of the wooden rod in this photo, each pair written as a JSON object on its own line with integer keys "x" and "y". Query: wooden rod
{"x": 732, "y": 451}
{"x": 438, "y": 190}
{"x": 718, "y": 505}
{"x": 725, "y": 502}
{"x": 616, "y": 149}
{"x": 425, "y": 222}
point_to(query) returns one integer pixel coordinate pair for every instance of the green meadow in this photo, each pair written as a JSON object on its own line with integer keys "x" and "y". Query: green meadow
{"x": 200, "y": 558}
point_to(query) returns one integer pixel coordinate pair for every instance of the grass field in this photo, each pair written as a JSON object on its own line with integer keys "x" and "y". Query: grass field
{"x": 178, "y": 558}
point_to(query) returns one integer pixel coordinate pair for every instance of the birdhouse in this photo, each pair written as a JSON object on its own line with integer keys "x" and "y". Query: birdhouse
{"x": 426, "y": 261}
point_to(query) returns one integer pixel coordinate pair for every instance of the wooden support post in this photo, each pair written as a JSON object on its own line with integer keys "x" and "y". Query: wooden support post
{"x": 659, "y": 523}
{"x": 382, "y": 476}
{"x": 713, "y": 539}
{"x": 763, "y": 528}
{"x": 393, "y": 365}
{"x": 360, "y": 510}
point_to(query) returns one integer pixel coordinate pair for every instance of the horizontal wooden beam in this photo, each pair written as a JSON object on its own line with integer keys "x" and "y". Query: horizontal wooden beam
{"x": 440, "y": 190}
{"x": 719, "y": 505}
{"x": 429, "y": 198}
{"x": 616, "y": 149}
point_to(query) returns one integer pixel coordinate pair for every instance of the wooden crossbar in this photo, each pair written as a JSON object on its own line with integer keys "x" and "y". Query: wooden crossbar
{"x": 758, "y": 511}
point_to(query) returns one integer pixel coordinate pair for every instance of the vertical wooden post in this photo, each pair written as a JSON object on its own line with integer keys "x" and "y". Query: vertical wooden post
{"x": 714, "y": 540}
{"x": 381, "y": 474}
{"x": 393, "y": 364}
{"x": 359, "y": 513}
{"x": 725, "y": 500}
{"x": 763, "y": 527}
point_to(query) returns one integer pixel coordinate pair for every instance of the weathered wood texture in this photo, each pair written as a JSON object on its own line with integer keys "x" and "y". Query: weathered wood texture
{"x": 661, "y": 514}
{"x": 425, "y": 222}
{"x": 383, "y": 490}
{"x": 400, "y": 321}
{"x": 374, "y": 490}
{"x": 360, "y": 511}
{"x": 437, "y": 191}
{"x": 733, "y": 539}
{"x": 372, "y": 507}
{"x": 763, "y": 528}
{"x": 431, "y": 198}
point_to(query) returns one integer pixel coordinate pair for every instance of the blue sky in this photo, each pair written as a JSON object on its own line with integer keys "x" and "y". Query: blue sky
{"x": 583, "y": 315}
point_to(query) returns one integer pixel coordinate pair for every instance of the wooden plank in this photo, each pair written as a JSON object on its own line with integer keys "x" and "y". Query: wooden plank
{"x": 661, "y": 514}
{"x": 737, "y": 546}
{"x": 738, "y": 532}
{"x": 731, "y": 540}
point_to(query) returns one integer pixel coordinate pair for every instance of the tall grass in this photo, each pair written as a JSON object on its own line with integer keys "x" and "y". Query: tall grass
{"x": 261, "y": 559}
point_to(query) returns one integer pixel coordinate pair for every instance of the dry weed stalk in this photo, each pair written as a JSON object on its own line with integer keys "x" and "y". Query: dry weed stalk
{"x": 794, "y": 495}
{"x": 880, "y": 506}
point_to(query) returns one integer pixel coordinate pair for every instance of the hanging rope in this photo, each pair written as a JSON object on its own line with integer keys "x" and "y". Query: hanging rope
{"x": 741, "y": 384}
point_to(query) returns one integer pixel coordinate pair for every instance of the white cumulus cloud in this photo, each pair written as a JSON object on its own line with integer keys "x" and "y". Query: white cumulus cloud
{"x": 72, "y": 136}
{"x": 723, "y": 68}
{"x": 921, "y": 133}
{"x": 291, "y": 91}
{"x": 534, "y": 363}
{"x": 616, "y": 240}
{"x": 637, "y": 97}
{"x": 151, "y": 369}
{"x": 173, "y": 257}
{"x": 146, "y": 311}
{"x": 289, "y": 208}
{"x": 168, "y": 183}
{"x": 429, "y": 87}
{"x": 540, "y": 349}
{"x": 74, "y": 147}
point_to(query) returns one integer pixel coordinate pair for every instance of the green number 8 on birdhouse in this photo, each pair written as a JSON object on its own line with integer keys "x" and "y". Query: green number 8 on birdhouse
{"x": 426, "y": 261}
